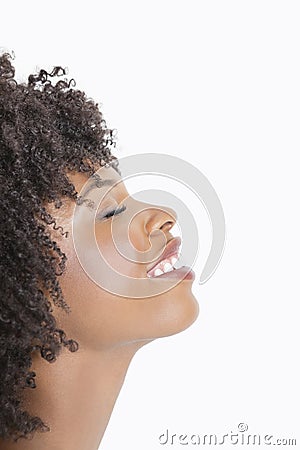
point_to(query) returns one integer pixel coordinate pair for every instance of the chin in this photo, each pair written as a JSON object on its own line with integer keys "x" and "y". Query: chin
{"x": 175, "y": 311}
{"x": 185, "y": 313}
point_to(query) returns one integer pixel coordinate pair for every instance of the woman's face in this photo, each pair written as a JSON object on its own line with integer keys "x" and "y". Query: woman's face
{"x": 132, "y": 243}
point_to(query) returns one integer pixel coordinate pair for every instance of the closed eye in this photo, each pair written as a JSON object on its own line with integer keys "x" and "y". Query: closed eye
{"x": 113, "y": 212}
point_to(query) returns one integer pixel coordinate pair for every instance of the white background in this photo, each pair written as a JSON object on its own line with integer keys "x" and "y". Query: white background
{"x": 216, "y": 83}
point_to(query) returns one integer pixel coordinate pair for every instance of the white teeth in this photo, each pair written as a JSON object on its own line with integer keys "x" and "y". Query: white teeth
{"x": 173, "y": 260}
{"x": 163, "y": 267}
{"x": 158, "y": 272}
{"x": 167, "y": 267}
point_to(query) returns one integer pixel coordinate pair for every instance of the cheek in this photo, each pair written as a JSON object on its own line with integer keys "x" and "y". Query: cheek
{"x": 118, "y": 252}
{"x": 98, "y": 319}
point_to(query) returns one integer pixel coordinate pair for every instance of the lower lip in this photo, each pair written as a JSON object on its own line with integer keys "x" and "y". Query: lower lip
{"x": 183, "y": 273}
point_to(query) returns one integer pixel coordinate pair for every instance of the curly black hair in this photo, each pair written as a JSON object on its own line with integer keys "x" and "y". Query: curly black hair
{"x": 46, "y": 130}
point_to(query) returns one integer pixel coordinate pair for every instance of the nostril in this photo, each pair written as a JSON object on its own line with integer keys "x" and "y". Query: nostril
{"x": 167, "y": 225}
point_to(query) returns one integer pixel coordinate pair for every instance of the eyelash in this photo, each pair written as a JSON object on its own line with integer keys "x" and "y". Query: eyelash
{"x": 114, "y": 212}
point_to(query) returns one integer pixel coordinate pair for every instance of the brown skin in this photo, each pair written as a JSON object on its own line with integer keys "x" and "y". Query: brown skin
{"x": 75, "y": 395}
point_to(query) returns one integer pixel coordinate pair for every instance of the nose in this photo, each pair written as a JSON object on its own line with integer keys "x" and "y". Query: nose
{"x": 159, "y": 218}
{"x": 149, "y": 218}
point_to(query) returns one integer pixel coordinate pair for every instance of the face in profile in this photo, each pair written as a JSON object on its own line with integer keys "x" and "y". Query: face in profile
{"x": 147, "y": 298}
{"x": 51, "y": 134}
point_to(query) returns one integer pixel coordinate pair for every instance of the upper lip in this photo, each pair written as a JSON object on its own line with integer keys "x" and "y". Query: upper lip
{"x": 171, "y": 248}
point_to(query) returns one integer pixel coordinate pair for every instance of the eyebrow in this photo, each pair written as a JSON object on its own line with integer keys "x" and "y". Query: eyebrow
{"x": 96, "y": 182}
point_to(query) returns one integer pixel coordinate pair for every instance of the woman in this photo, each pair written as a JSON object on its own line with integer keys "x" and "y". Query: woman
{"x": 65, "y": 341}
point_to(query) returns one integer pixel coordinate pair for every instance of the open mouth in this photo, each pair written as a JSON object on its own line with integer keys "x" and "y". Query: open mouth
{"x": 164, "y": 267}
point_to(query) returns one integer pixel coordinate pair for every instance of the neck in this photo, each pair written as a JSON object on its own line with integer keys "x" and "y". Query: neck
{"x": 75, "y": 397}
